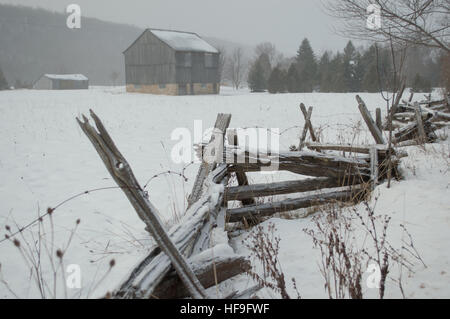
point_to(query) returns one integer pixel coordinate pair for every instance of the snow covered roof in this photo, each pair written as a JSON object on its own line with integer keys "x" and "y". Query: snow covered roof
{"x": 184, "y": 41}
{"x": 72, "y": 77}
{"x": 180, "y": 41}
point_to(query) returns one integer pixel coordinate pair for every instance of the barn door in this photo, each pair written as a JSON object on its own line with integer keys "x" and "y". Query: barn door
{"x": 182, "y": 89}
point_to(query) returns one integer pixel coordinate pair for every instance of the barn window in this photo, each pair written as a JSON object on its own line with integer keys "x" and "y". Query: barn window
{"x": 162, "y": 86}
{"x": 184, "y": 60}
{"x": 210, "y": 60}
{"x": 204, "y": 85}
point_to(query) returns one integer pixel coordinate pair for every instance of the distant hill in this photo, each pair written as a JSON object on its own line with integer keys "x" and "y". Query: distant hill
{"x": 37, "y": 41}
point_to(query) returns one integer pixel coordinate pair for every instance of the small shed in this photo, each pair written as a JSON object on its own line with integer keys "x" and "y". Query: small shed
{"x": 62, "y": 82}
{"x": 173, "y": 63}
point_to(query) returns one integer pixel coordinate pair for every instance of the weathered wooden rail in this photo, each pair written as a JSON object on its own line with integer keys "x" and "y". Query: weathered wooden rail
{"x": 186, "y": 259}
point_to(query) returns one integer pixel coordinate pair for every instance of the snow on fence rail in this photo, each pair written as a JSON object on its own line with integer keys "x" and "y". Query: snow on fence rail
{"x": 181, "y": 265}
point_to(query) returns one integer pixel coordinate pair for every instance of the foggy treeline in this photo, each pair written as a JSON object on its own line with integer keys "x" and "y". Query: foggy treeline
{"x": 36, "y": 41}
{"x": 362, "y": 69}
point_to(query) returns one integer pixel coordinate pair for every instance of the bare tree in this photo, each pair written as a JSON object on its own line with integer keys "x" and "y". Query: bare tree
{"x": 236, "y": 67}
{"x": 222, "y": 62}
{"x": 269, "y": 48}
{"x": 114, "y": 76}
{"x": 409, "y": 22}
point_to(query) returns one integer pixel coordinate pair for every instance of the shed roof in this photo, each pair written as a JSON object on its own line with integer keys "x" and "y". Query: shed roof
{"x": 72, "y": 77}
{"x": 181, "y": 41}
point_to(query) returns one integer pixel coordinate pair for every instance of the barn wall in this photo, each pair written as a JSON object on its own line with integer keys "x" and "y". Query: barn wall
{"x": 167, "y": 89}
{"x": 149, "y": 61}
{"x": 208, "y": 88}
{"x": 43, "y": 84}
{"x": 198, "y": 72}
{"x": 70, "y": 85}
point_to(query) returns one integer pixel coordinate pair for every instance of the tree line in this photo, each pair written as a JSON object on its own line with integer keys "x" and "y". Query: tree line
{"x": 352, "y": 70}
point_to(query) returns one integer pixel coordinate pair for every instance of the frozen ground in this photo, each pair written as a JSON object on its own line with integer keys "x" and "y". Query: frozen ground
{"x": 45, "y": 159}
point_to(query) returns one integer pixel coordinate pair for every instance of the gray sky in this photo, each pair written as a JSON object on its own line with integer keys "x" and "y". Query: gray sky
{"x": 282, "y": 22}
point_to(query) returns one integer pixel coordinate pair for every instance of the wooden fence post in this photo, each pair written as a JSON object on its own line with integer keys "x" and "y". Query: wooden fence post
{"x": 222, "y": 123}
{"x": 376, "y": 133}
{"x": 240, "y": 175}
{"x": 308, "y": 121}
{"x": 421, "y": 129}
{"x": 123, "y": 175}
{"x": 379, "y": 120}
{"x": 305, "y": 128}
{"x": 374, "y": 167}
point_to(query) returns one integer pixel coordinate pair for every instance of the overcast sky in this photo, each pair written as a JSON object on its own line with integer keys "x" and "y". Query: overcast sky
{"x": 283, "y": 22}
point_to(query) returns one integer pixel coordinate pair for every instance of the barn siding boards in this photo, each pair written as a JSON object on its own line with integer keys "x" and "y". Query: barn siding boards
{"x": 43, "y": 84}
{"x": 150, "y": 74}
{"x": 150, "y": 62}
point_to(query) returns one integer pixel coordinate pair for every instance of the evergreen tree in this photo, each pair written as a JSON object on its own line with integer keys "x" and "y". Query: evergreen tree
{"x": 370, "y": 82}
{"x": 306, "y": 67}
{"x": 324, "y": 75}
{"x": 292, "y": 79}
{"x": 259, "y": 73}
{"x": 256, "y": 80}
{"x": 445, "y": 73}
{"x": 277, "y": 81}
{"x": 338, "y": 74}
{"x": 359, "y": 71}
{"x": 420, "y": 85}
{"x": 264, "y": 60}
{"x": 349, "y": 68}
{"x": 3, "y": 83}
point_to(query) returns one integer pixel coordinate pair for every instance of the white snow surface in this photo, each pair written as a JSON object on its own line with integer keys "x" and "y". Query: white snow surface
{"x": 45, "y": 159}
{"x": 184, "y": 41}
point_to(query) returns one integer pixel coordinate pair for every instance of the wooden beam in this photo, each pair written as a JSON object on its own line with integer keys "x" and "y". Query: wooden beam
{"x": 376, "y": 133}
{"x": 269, "y": 209}
{"x": 189, "y": 236}
{"x": 219, "y": 269}
{"x": 123, "y": 175}
{"x": 308, "y": 121}
{"x": 418, "y": 113}
{"x": 304, "y": 163}
{"x": 398, "y": 98}
{"x": 379, "y": 121}
{"x": 411, "y": 131}
{"x": 362, "y": 149}
{"x": 436, "y": 114}
{"x": 240, "y": 175}
{"x": 281, "y": 188}
{"x": 305, "y": 129}
{"x": 374, "y": 167}
{"x": 222, "y": 123}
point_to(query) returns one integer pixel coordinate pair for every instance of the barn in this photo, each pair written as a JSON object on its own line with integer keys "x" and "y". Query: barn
{"x": 62, "y": 82}
{"x": 171, "y": 63}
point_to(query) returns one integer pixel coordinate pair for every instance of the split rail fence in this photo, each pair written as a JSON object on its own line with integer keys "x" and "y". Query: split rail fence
{"x": 182, "y": 263}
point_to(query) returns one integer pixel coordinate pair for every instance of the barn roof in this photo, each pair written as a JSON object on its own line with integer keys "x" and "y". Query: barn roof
{"x": 73, "y": 77}
{"x": 181, "y": 41}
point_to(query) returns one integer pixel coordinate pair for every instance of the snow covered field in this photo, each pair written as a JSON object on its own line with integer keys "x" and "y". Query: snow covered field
{"x": 45, "y": 159}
